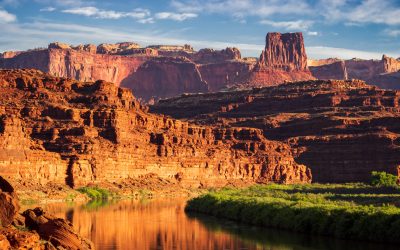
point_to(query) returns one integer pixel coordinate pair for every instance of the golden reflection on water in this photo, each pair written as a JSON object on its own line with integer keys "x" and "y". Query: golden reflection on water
{"x": 162, "y": 224}
{"x": 156, "y": 224}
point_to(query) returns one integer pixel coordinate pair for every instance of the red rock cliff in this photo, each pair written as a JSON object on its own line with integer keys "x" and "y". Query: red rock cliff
{"x": 68, "y": 132}
{"x": 342, "y": 130}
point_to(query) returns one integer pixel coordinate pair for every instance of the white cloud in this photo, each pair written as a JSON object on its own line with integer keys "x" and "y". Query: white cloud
{"x": 312, "y": 33}
{"x": 7, "y": 17}
{"x": 47, "y": 9}
{"x": 243, "y": 8}
{"x": 367, "y": 11}
{"x": 319, "y": 52}
{"x": 289, "y": 25}
{"x": 146, "y": 20}
{"x": 107, "y": 14}
{"x": 392, "y": 32}
{"x": 28, "y": 35}
{"x": 175, "y": 16}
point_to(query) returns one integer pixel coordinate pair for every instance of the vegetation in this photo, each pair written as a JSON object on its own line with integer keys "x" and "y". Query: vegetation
{"x": 383, "y": 179}
{"x": 352, "y": 211}
{"x": 95, "y": 193}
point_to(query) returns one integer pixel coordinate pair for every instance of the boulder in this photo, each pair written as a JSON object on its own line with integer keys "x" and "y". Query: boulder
{"x": 57, "y": 231}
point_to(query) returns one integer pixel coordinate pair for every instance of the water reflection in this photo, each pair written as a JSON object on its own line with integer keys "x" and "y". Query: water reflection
{"x": 163, "y": 224}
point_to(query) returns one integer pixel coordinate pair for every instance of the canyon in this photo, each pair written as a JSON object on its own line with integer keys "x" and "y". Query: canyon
{"x": 341, "y": 129}
{"x": 161, "y": 71}
{"x": 62, "y": 131}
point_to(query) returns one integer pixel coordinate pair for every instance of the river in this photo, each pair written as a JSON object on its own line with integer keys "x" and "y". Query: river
{"x": 163, "y": 224}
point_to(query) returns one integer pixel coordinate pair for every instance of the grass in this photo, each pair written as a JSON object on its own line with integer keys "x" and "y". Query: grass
{"x": 350, "y": 211}
{"x": 95, "y": 193}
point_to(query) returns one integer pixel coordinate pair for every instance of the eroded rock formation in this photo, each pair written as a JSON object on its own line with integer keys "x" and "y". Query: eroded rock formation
{"x": 41, "y": 230}
{"x": 129, "y": 65}
{"x": 165, "y": 70}
{"x": 342, "y": 130}
{"x": 283, "y": 59}
{"x": 64, "y": 131}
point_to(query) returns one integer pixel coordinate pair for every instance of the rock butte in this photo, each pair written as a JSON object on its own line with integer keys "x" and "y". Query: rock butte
{"x": 63, "y": 131}
{"x": 342, "y": 130}
{"x": 166, "y": 71}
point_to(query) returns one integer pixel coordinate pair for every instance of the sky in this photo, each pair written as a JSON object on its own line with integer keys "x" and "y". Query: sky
{"x": 331, "y": 28}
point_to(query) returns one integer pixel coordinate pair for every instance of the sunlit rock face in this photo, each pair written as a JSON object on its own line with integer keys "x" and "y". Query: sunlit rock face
{"x": 342, "y": 130}
{"x": 283, "y": 59}
{"x": 69, "y": 132}
{"x": 161, "y": 71}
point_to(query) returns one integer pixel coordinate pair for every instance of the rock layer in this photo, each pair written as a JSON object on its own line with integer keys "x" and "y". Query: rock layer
{"x": 164, "y": 70}
{"x": 284, "y": 52}
{"x": 383, "y": 73}
{"x": 342, "y": 130}
{"x": 63, "y": 131}
{"x": 283, "y": 59}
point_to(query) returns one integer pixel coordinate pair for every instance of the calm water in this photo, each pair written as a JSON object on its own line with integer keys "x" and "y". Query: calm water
{"x": 163, "y": 224}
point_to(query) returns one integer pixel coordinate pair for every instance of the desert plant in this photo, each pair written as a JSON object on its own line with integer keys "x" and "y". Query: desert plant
{"x": 95, "y": 193}
{"x": 383, "y": 179}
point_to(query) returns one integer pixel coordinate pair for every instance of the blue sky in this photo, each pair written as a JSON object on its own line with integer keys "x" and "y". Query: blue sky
{"x": 332, "y": 28}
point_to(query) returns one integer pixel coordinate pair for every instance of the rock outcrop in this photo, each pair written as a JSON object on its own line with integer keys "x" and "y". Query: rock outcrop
{"x": 9, "y": 205}
{"x": 41, "y": 230}
{"x": 284, "y": 52}
{"x": 57, "y": 231}
{"x": 342, "y": 130}
{"x": 68, "y": 132}
{"x": 283, "y": 59}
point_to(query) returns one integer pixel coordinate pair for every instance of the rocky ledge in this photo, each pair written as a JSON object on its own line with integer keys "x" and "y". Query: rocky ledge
{"x": 342, "y": 130}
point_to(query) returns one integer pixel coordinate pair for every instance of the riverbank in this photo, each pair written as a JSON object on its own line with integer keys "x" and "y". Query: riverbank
{"x": 148, "y": 186}
{"x": 349, "y": 211}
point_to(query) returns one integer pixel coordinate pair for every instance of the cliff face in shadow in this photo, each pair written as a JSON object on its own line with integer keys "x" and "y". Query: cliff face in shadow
{"x": 342, "y": 130}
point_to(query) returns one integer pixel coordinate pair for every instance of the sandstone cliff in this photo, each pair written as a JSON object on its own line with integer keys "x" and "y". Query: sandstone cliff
{"x": 342, "y": 130}
{"x": 177, "y": 66}
{"x": 382, "y": 73}
{"x": 165, "y": 77}
{"x": 165, "y": 70}
{"x": 335, "y": 70}
{"x": 68, "y": 132}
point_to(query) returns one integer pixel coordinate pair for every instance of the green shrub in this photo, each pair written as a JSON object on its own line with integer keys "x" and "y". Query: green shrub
{"x": 383, "y": 179}
{"x": 352, "y": 211}
{"x": 95, "y": 193}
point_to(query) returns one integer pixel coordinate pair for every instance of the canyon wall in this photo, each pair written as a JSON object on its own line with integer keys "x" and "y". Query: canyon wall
{"x": 163, "y": 71}
{"x": 383, "y": 73}
{"x": 335, "y": 70}
{"x": 68, "y": 132}
{"x": 342, "y": 130}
